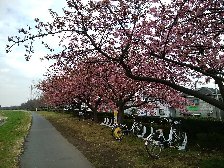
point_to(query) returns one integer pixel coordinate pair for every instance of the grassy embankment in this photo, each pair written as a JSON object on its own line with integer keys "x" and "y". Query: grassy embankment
{"x": 96, "y": 143}
{"x": 12, "y": 134}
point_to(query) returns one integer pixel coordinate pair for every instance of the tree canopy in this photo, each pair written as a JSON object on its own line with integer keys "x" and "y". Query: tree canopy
{"x": 173, "y": 44}
{"x": 104, "y": 87}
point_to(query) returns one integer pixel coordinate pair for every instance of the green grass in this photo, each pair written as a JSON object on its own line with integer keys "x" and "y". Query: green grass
{"x": 12, "y": 135}
{"x": 210, "y": 163}
{"x": 97, "y": 144}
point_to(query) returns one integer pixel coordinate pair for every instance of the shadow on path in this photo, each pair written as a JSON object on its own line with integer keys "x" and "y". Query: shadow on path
{"x": 45, "y": 147}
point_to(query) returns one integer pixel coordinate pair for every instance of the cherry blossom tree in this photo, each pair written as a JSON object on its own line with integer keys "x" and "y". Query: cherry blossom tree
{"x": 168, "y": 43}
{"x": 124, "y": 93}
{"x": 118, "y": 91}
{"x": 70, "y": 89}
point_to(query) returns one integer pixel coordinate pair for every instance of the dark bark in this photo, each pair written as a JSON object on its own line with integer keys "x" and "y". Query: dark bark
{"x": 95, "y": 118}
{"x": 120, "y": 116}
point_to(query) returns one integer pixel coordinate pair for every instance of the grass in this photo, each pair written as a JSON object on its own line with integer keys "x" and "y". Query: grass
{"x": 97, "y": 144}
{"x": 210, "y": 163}
{"x": 12, "y": 135}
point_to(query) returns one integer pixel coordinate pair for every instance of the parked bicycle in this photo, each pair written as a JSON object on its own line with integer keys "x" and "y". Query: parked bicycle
{"x": 119, "y": 130}
{"x": 156, "y": 141}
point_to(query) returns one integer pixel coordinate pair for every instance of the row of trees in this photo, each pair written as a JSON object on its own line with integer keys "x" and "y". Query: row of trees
{"x": 148, "y": 46}
{"x": 103, "y": 87}
{"x": 32, "y": 105}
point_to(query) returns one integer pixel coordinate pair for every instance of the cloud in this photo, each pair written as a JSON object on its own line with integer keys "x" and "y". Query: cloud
{"x": 16, "y": 74}
{"x": 25, "y": 8}
{"x": 29, "y": 69}
{"x": 4, "y": 70}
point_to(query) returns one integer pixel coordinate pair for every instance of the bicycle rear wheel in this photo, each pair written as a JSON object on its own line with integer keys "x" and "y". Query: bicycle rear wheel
{"x": 153, "y": 148}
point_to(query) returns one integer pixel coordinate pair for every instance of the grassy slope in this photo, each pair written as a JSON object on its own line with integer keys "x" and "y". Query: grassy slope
{"x": 97, "y": 144}
{"x": 12, "y": 135}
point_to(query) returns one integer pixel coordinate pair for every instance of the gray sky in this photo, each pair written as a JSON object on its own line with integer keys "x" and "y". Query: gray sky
{"x": 16, "y": 74}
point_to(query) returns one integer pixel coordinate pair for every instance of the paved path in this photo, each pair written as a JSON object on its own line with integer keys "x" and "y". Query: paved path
{"x": 45, "y": 147}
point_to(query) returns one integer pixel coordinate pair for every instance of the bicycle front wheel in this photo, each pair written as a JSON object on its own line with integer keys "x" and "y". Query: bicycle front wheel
{"x": 117, "y": 133}
{"x": 153, "y": 148}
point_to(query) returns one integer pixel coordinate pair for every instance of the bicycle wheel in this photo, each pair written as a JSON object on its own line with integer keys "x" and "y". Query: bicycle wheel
{"x": 180, "y": 140}
{"x": 117, "y": 133}
{"x": 136, "y": 130}
{"x": 153, "y": 148}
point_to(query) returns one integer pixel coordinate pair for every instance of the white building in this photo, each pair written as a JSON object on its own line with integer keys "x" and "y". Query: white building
{"x": 160, "y": 110}
{"x": 200, "y": 108}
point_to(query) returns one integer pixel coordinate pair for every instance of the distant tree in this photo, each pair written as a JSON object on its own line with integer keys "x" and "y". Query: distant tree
{"x": 70, "y": 89}
{"x": 33, "y": 104}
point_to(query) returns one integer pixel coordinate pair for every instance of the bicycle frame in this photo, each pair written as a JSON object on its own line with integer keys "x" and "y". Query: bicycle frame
{"x": 135, "y": 128}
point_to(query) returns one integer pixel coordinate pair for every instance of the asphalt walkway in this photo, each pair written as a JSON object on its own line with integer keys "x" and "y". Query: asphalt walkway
{"x": 45, "y": 147}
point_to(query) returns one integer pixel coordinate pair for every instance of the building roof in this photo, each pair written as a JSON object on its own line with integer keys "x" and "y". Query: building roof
{"x": 206, "y": 91}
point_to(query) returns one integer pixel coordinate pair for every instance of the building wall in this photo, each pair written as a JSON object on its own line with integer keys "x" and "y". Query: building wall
{"x": 198, "y": 107}
{"x": 161, "y": 110}
{"x": 195, "y": 107}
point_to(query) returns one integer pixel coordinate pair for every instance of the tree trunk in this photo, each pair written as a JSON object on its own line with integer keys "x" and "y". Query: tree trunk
{"x": 120, "y": 115}
{"x": 95, "y": 118}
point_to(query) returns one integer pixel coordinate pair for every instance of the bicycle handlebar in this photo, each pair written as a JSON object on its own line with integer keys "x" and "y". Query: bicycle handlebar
{"x": 171, "y": 121}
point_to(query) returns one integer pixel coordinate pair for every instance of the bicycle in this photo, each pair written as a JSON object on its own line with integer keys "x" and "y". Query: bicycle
{"x": 156, "y": 141}
{"x": 119, "y": 130}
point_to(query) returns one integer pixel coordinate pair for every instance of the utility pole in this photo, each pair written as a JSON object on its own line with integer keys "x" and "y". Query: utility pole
{"x": 219, "y": 111}
{"x": 31, "y": 92}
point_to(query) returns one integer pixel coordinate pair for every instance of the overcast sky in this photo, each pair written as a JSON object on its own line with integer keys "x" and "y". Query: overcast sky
{"x": 16, "y": 74}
